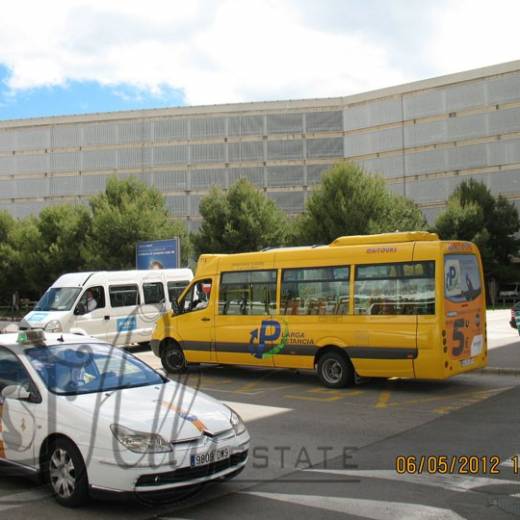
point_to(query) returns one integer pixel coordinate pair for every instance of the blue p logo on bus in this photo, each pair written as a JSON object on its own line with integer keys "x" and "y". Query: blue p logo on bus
{"x": 270, "y": 331}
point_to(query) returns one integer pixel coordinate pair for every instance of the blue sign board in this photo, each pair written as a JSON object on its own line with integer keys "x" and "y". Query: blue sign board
{"x": 158, "y": 254}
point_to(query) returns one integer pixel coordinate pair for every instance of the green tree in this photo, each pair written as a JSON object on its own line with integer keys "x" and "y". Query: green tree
{"x": 243, "y": 219}
{"x": 351, "y": 202}
{"x": 474, "y": 214}
{"x": 128, "y": 211}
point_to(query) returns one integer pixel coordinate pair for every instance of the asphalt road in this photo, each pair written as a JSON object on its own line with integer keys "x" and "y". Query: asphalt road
{"x": 320, "y": 453}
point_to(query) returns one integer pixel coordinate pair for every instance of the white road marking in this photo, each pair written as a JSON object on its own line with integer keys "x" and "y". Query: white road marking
{"x": 509, "y": 462}
{"x": 373, "y": 509}
{"x": 21, "y": 499}
{"x": 460, "y": 483}
{"x": 252, "y": 412}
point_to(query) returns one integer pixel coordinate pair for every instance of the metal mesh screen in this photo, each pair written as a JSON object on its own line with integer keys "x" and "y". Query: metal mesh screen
{"x": 284, "y": 123}
{"x": 69, "y": 185}
{"x": 208, "y": 126}
{"x": 246, "y": 125}
{"x": 171, "y": 181}
{"x": 284, "y": 176}
{"x": 254, "y": 175}
{"x": 167, "y": 129}
{"x": 164, "y": 155}
{"x": 246, "y": 151}
{"x": 211, "y": 152}
{"x": 98, "y": 160}
{"x": 65, "y": 161}
{"x": 177, "y": 205}
{"x": 208, "y": 178}
{"x": 332, "y": 147}
{"x": 288, "y": 149}
{"x": 324, "y": 121}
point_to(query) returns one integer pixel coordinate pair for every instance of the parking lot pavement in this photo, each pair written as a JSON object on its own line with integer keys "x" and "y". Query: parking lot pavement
{"x": 351, "y": 435}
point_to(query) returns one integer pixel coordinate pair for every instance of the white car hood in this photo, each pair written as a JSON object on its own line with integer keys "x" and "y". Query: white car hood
{"x": 174, "y": 411}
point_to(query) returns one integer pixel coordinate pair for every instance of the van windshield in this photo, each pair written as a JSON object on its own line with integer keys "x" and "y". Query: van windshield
{"x": 58, "y": 299}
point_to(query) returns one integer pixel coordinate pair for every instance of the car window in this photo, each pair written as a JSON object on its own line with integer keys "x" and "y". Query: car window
{"x": 88, "y": 368}
{"x": 12, "y": 371}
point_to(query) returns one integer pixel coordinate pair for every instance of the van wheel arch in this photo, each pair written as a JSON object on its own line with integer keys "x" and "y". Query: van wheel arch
{"x": 172, "y": 356}
{"x": 334, "y": 354}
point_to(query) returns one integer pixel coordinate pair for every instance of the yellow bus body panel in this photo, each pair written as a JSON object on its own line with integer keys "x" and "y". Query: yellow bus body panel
{"x": 407, "y": 345}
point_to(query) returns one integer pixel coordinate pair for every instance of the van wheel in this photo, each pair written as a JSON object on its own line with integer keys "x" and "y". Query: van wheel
{"x": 67, "y": 474}
{"x": 172, "y": 359}
{"x": 335, "y": 371}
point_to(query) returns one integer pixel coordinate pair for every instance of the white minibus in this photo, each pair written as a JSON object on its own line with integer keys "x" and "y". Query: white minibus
{"x": 119, "y": 307}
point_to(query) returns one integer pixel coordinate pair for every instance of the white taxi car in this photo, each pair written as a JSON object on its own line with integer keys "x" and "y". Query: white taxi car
{"x": 90, "y": 419}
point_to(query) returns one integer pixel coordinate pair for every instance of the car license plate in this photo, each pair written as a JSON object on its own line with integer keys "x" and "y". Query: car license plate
{"x": 209, "y": 457}
{"x": 466, "y": 362}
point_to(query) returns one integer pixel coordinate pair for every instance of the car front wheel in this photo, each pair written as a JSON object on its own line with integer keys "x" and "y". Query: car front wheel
{"x": 67, "y": 474}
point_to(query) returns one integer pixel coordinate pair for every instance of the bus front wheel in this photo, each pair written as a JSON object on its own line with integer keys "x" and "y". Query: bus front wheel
{"x": 335, "y": 370}
{"x": 172, "y": 359}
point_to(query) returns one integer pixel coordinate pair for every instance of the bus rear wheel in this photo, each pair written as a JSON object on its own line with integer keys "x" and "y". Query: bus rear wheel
{"x": 172, "y": 359}
{"x": 335, "y": 370}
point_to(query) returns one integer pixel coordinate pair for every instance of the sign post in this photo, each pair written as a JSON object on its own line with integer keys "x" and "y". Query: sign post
{"x": 158, "y": 254}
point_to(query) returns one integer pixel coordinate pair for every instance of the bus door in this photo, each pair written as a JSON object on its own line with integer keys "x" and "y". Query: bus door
{"x": 246, "y": 332}
{"x": 464, "y": 310}
{"x": 387, "y": 299}
{"x": 196, "y": 324}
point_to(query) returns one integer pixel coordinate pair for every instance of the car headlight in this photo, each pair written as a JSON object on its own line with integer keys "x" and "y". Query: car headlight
{"x": 140, "y": 442}
{"x": 236, "y": 422}
{"x": 53, "y": 326}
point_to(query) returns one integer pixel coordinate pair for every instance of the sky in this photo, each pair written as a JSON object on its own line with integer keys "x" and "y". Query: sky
{"x": 82, "y": 56}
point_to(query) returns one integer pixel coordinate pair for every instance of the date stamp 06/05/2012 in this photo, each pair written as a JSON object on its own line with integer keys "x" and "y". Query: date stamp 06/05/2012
{"x": 455, "y": 464}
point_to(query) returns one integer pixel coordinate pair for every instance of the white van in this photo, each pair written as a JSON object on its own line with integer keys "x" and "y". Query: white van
{"x": 119, "y": 307}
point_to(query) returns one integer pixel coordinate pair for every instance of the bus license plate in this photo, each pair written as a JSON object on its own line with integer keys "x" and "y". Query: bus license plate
{"x": 209, "y": 457}
{"x": 466, "y": 362}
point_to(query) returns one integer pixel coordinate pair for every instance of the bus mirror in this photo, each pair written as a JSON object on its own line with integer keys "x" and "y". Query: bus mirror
{"x": 176, "y": 307}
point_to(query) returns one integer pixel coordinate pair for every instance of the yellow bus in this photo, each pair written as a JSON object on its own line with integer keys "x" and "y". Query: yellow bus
{"x": 404, "y": 305}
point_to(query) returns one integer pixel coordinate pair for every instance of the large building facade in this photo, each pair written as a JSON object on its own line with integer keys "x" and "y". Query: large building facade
{"x": 424, "y": 138}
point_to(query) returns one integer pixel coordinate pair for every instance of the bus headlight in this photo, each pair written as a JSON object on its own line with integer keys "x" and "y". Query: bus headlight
{"x": 53, "y": 326}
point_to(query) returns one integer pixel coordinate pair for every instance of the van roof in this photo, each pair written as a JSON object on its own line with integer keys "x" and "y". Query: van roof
{"x": 93, "y": 277}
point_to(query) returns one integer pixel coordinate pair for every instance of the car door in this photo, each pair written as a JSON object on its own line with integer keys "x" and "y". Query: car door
{"x": 17, "y": 417}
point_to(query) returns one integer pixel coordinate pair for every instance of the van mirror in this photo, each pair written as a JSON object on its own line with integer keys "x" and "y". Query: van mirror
{"x": 176, "y": 307}
{"x": 79, "y": 310}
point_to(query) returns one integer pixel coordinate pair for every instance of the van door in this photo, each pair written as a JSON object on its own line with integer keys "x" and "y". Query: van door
{"x": 122, "y": 316}
{"x": 387, "y": 300}
{"x": 152, "y": 307}
{"x": 245, "y": 331}
{"x": 90, "y": 313}
{"x": 196, "y": 325}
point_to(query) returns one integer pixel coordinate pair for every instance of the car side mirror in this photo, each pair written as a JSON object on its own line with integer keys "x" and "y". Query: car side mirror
{"x": 17, "y": 392}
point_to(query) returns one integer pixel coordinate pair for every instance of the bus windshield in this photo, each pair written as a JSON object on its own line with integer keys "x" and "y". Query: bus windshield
{"x": 58, "y": 299}
{"x": 461, "y": 278}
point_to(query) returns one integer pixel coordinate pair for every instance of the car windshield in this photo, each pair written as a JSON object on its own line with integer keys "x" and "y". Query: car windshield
{"x": 89, "y": 368}
{"x": 58, "y": 299}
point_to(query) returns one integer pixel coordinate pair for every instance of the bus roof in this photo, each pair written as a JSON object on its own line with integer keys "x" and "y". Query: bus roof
{"x": 208, "y": 262}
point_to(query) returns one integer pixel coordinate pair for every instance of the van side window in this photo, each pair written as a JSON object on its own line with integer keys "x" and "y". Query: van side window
{"x": 316, "y": 290}
{"x": 175, "y": 289}
{"x": 153, "y": 292}
{"x": 396, "y": 288}
{"x": 247, "y": 293}
{"x": 93, "y": 298}
{"x": 123, "y": 295}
